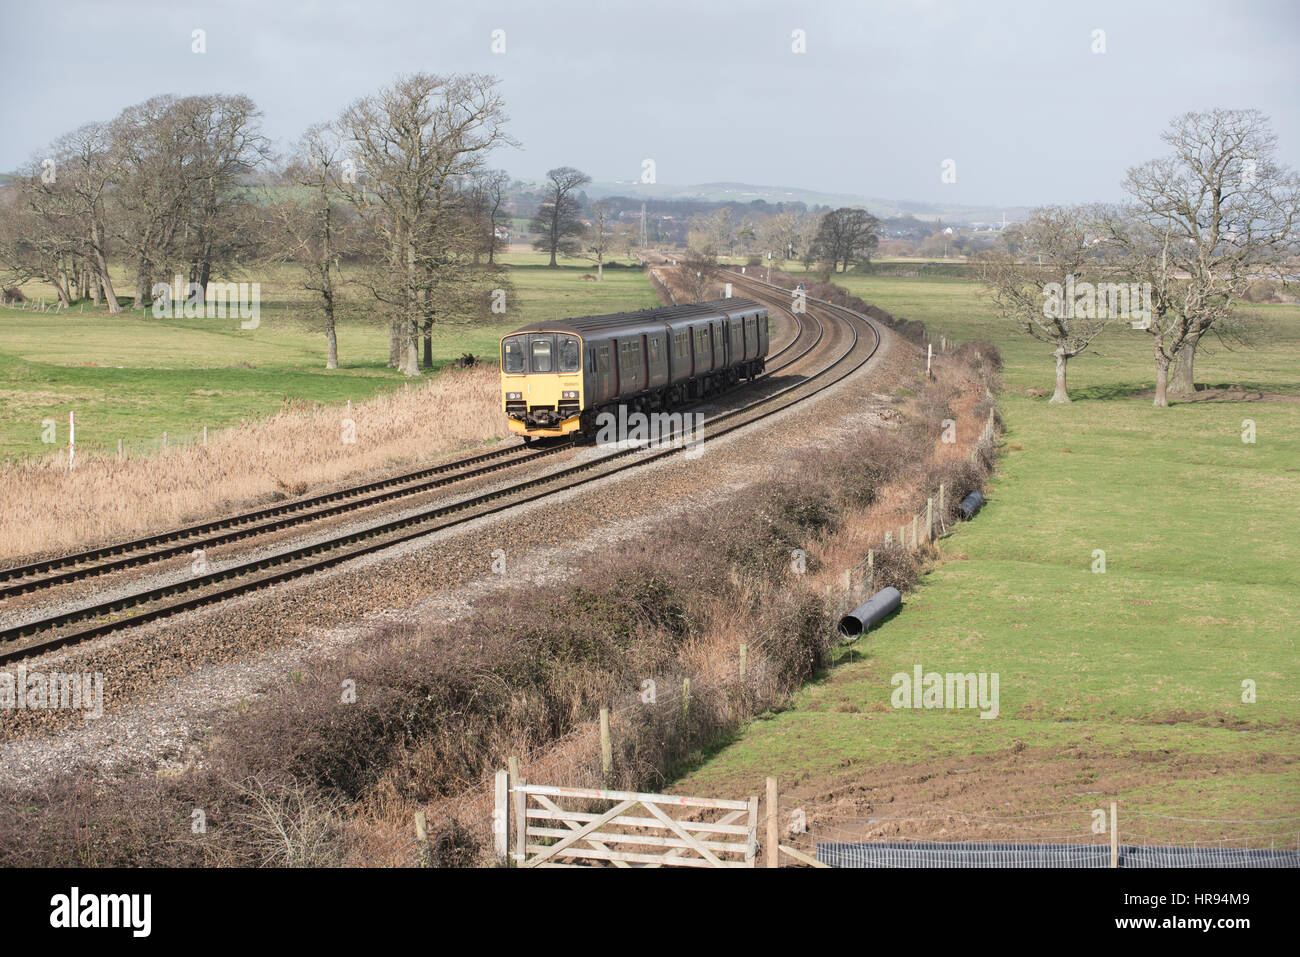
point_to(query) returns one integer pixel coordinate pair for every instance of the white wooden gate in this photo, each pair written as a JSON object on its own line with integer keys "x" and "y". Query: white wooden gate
{"x": 540, "y": 826}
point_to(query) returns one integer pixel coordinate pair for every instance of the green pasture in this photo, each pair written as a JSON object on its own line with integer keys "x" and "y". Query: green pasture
{"x": 1143, "y": 663}
{"x": 133, "y": 377}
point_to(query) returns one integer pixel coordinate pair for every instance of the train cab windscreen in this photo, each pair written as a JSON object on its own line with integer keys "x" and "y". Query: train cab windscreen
{"x": 570, "y": 358}
{"x": 541, "y": 353}
{"x": 512, "y": 355}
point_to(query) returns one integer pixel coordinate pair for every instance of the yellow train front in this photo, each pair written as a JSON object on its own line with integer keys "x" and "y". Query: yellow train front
{"x": 557, "y": 377}
{"x": 541, "y": 380}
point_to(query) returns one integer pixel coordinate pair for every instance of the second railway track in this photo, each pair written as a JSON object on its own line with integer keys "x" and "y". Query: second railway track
{"x": 80, "y": 624}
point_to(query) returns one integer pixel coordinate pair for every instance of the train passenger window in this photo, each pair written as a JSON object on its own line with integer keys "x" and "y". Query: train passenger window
{"x": 654, "y": 348}
{"x": 569, "y": 361}
{"x": 541, "y": 353}
{"x": 512, "y": 357}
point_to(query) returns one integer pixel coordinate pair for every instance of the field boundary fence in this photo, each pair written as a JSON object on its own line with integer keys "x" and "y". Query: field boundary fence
{"x": 1093, "y": 834}
{"x": 599, "y": 752}
{"x": 661, "y": 287}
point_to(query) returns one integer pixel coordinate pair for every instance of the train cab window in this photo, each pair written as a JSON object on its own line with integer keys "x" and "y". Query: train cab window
{"x": 512, "y": 354}
{"x": 540, "y": 351}
{"x": 569, "y": 353}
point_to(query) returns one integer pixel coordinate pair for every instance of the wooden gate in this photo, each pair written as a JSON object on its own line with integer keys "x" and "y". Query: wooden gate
{"x": 541, "y": 826}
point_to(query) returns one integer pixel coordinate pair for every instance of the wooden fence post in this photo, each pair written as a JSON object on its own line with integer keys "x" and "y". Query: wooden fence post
{"x": 914, "y": 523}
{"x": 751, "y": 845}
{"x": 941, "y": 513}
{"x": 501, "y": 819}
{"x": 929, "y": 519}
{"x": 520, "y": 808}
{"x": 422, "y": 837}
{"x": 686, "y": 701}
{"x": 772, "y": 852}
{"x": 1114, "y": 834}
{"x": 744, "y": 658}
{"x": 606, "y": 747}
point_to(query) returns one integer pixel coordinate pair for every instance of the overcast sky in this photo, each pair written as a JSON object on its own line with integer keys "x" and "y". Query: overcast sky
{"x": 709, "y": 89}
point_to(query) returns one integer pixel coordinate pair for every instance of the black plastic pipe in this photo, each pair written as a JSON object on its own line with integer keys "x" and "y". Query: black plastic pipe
{"x": 970, "y": 504}
{"x": 876, "y": 608}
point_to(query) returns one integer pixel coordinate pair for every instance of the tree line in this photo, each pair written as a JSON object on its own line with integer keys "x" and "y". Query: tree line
{"x": 397, "y": 184}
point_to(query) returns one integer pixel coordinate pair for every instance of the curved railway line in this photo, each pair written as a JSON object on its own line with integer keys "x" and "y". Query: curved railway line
{"x": 76, "y": 625}
{"x": 48, "y": 573}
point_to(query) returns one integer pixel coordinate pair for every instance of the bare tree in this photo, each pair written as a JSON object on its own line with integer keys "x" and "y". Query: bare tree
{"x": 557, "y": 217}
{"x": 219, "y": 142}
{"x": 779, "y": 235}
{"x": 68, "y": 190}
{"x": 599, "y": 237}
{"x": 712, "y": 233}
{"x": 1219, "y": 210}
{"x": 152, "y": 185}
{"x": 412, "y": 143}
{"x": 310, "y": 224}
{"x": 809, "y": 227}
{"x": 42, "y": 234}
{"x": 1053, "y": 297}
{"x": 494, "y": 183}
{"x": 627, "y": 237}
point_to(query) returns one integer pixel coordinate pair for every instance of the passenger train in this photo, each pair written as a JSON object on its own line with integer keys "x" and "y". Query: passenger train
{"x": 557, "y": 377}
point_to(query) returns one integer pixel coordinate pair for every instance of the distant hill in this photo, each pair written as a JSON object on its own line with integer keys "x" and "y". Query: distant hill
{"x": 744, "y": 193}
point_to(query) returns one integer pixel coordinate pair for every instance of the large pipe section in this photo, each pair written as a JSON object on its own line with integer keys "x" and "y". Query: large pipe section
{"x": 875, "y": 610}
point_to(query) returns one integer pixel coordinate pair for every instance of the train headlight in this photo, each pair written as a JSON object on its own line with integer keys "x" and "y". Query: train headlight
{"x": 514, "y": 395}
{"x": 569, "y": 395}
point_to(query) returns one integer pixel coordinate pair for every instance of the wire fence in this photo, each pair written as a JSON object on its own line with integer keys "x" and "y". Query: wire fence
{"x": 922, "y": 528}
{"x": 1110, "y": 834}
{"x": 693, "y": 705}
{"x": 662, "y": 288}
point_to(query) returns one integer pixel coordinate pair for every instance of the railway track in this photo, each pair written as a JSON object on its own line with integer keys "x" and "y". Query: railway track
{"x": 69, "y": 627}
{"x": 37, "y": 576}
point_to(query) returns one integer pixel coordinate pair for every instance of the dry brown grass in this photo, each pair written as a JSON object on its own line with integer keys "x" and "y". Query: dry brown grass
{"x": 447, "y": 702}
{"x": 44, "y": 507}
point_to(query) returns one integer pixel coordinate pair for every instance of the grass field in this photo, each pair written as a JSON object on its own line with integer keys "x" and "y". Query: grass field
{"x": 1127, "y": 682}
{"x": 133, "y": 378}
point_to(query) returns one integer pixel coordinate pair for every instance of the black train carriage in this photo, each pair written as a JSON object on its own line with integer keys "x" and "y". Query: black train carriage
{"x": 557, "y": 377}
